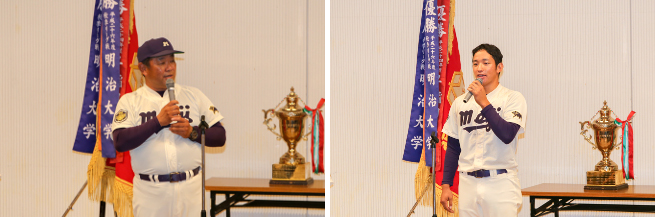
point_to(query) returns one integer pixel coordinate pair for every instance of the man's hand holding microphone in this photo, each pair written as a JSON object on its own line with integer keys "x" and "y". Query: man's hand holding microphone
{"x": 171, "y": 112}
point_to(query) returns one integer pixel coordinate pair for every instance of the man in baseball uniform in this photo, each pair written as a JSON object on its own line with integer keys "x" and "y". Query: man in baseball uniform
{"x": 482, "y": 136}
{"x": 163, "y": 137}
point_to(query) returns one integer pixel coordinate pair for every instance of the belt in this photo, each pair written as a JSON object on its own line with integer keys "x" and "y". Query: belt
{"x": 485, "y": 173}
{"x": 171, "y": 177}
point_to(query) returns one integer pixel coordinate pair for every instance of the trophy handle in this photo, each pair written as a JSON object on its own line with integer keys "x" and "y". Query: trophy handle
{"x": 306, "y": 136}
{"x": 584, "y": 131}
{"x": 267, "y": 120}
{"x": 618, "y": 146}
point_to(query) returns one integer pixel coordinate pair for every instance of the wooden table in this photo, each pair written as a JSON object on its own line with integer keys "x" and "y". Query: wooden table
{"x": 562, "y": 195}
{"x": 236, "y": 190}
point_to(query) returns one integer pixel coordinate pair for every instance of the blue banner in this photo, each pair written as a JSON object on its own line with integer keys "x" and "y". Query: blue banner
{"x": 102, "y": 90}
{"x": 425, "y": 102}
{"x": 111, "y": 52}
{"x": 85, "y": 139}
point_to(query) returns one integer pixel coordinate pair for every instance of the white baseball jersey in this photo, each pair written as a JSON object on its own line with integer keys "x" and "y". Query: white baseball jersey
{"x": 481, "y": 148}
{"x": 165, "y": 152}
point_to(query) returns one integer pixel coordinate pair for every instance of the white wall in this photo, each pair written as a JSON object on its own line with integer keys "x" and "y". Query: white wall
{"x": 244, "y": 55}
{"x": 566, "y": 57}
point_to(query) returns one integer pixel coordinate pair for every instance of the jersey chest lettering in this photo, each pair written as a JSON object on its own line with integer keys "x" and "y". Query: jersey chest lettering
{"x": 146, "y": 116}
{"x": 465, "y": 118}
{"x": 149, "y": 115}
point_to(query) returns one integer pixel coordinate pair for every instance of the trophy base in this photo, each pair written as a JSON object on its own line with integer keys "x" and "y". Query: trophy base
{"x": 307, "y": 181}
{"x": 599, "y": 180}
{"x": 606, "y": 187}
{"x": 290, "y": 175}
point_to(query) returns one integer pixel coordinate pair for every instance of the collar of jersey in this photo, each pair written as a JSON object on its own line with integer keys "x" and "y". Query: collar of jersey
{"x": 153, "y": 93}
{"x": 493, "y": 92}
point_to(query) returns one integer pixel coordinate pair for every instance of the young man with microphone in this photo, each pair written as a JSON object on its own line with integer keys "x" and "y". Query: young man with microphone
{"x": 482, "y": 137}
{"x": 160, "y": 130}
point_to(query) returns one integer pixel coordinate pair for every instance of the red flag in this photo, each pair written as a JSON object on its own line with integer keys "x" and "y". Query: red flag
{"x": 454, "y": 84}
{"x": 131, "y": 80}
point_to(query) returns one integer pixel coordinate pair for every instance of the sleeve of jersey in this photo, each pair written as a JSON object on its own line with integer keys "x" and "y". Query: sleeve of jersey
{"x": 126, "y": 139}
{"x": 214, "y": 136}
{"x": 125, "y": 115}
{"x": 207, "y": 108}
{"x": 451, "y": 161}
{"x": 505, "y": 131}
{"x": 516, "y": 111}
{"x": 450, "y": 127}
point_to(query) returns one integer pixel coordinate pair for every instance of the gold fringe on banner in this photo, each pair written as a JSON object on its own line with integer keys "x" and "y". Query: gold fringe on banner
{"x": 123, "y": 195}
{"x": 422, "y": 180}
{"x": 96, "y": 176}
{"x": 108, "y": 184}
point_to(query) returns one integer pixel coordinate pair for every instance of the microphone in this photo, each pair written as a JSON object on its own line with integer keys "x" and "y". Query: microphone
{"x": 468, "y": 95}
{"x": 433, "y": 139}
{"x": 170, "y": 85}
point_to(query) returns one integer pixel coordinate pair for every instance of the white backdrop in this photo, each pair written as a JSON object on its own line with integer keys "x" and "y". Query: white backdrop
{"x": 244, "y": 55}
{"x": 566, "y": 57}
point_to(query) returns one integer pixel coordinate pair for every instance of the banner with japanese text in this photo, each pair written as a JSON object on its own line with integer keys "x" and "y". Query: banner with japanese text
{"x": 425, "y": 102}
{"x": 438, "y": 63}
{"x": 109, "y": 75}
{"x": 101, "y": 91}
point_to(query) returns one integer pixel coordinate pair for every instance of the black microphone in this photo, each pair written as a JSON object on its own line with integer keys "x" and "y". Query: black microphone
{"x": 433, "y": 139}
{"x": 469, "y": 94}
{"x": 170, "y": 85}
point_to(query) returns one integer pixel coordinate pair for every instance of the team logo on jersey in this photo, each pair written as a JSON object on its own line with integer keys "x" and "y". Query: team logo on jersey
{"x": 146, "y": 116}
{"x": 213, "y": 109}
{"x": 185, "y": 114}
{"x": 466, "y": 117}
{"x": 517, "y": 114}
{"x": 121, "y": 116}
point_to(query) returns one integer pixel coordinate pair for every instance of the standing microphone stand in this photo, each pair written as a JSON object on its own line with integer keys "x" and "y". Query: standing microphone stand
{"x": 433, "y": 142}
{"x": 202, "y": 126}
{"x": 433, "y": 145}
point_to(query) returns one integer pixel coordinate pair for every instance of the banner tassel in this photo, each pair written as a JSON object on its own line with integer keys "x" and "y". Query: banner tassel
{"x": 123, "y": 195}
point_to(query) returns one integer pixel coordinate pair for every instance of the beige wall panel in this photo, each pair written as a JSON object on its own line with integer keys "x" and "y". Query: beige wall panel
{"x": 244, "y": 55}
{"x": 643, "y": 45}
{"x": 316, "y": 52}
{"x": 373, "y": 55}
{"x": 565, "y": 57}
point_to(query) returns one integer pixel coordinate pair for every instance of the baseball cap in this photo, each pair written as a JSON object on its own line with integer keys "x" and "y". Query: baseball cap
{"x": 154, "y": 48}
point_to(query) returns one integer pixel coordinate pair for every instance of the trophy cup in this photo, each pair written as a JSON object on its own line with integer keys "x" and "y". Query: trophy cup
{"x": 291, "y": 168}
{"x": 607, "y": 175}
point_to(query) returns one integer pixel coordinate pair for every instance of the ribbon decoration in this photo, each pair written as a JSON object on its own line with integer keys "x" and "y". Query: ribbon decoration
{"x": 317, "y": 136}
{"x": 626, "y": 151}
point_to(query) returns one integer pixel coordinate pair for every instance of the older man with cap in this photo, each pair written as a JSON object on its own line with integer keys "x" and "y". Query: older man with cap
{"x": 162, "y": 136}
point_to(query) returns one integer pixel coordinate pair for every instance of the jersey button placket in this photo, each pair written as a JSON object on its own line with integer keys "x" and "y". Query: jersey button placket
{"x": 479, "y": 148}
{"x": 171, "y": 156}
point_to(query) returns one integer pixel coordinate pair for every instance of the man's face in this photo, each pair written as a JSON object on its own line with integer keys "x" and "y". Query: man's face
{"x": 161, "y": 68}
{"x": 484, "y": 66}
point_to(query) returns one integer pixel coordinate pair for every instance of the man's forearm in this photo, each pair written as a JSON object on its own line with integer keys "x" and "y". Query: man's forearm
{"x": 451, "y": 161}
{"x": 505, "y": 131}
{"x": 214, "y": 136}
{"x": 126, "y": 139}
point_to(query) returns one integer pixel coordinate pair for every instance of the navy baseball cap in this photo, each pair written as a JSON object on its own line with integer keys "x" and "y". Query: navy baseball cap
{"x": 155, "y": 47}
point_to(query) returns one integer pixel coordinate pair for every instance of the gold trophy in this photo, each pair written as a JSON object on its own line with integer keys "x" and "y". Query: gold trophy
{"x": 607, "y": 175}
{"x": 291, "y": 169}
